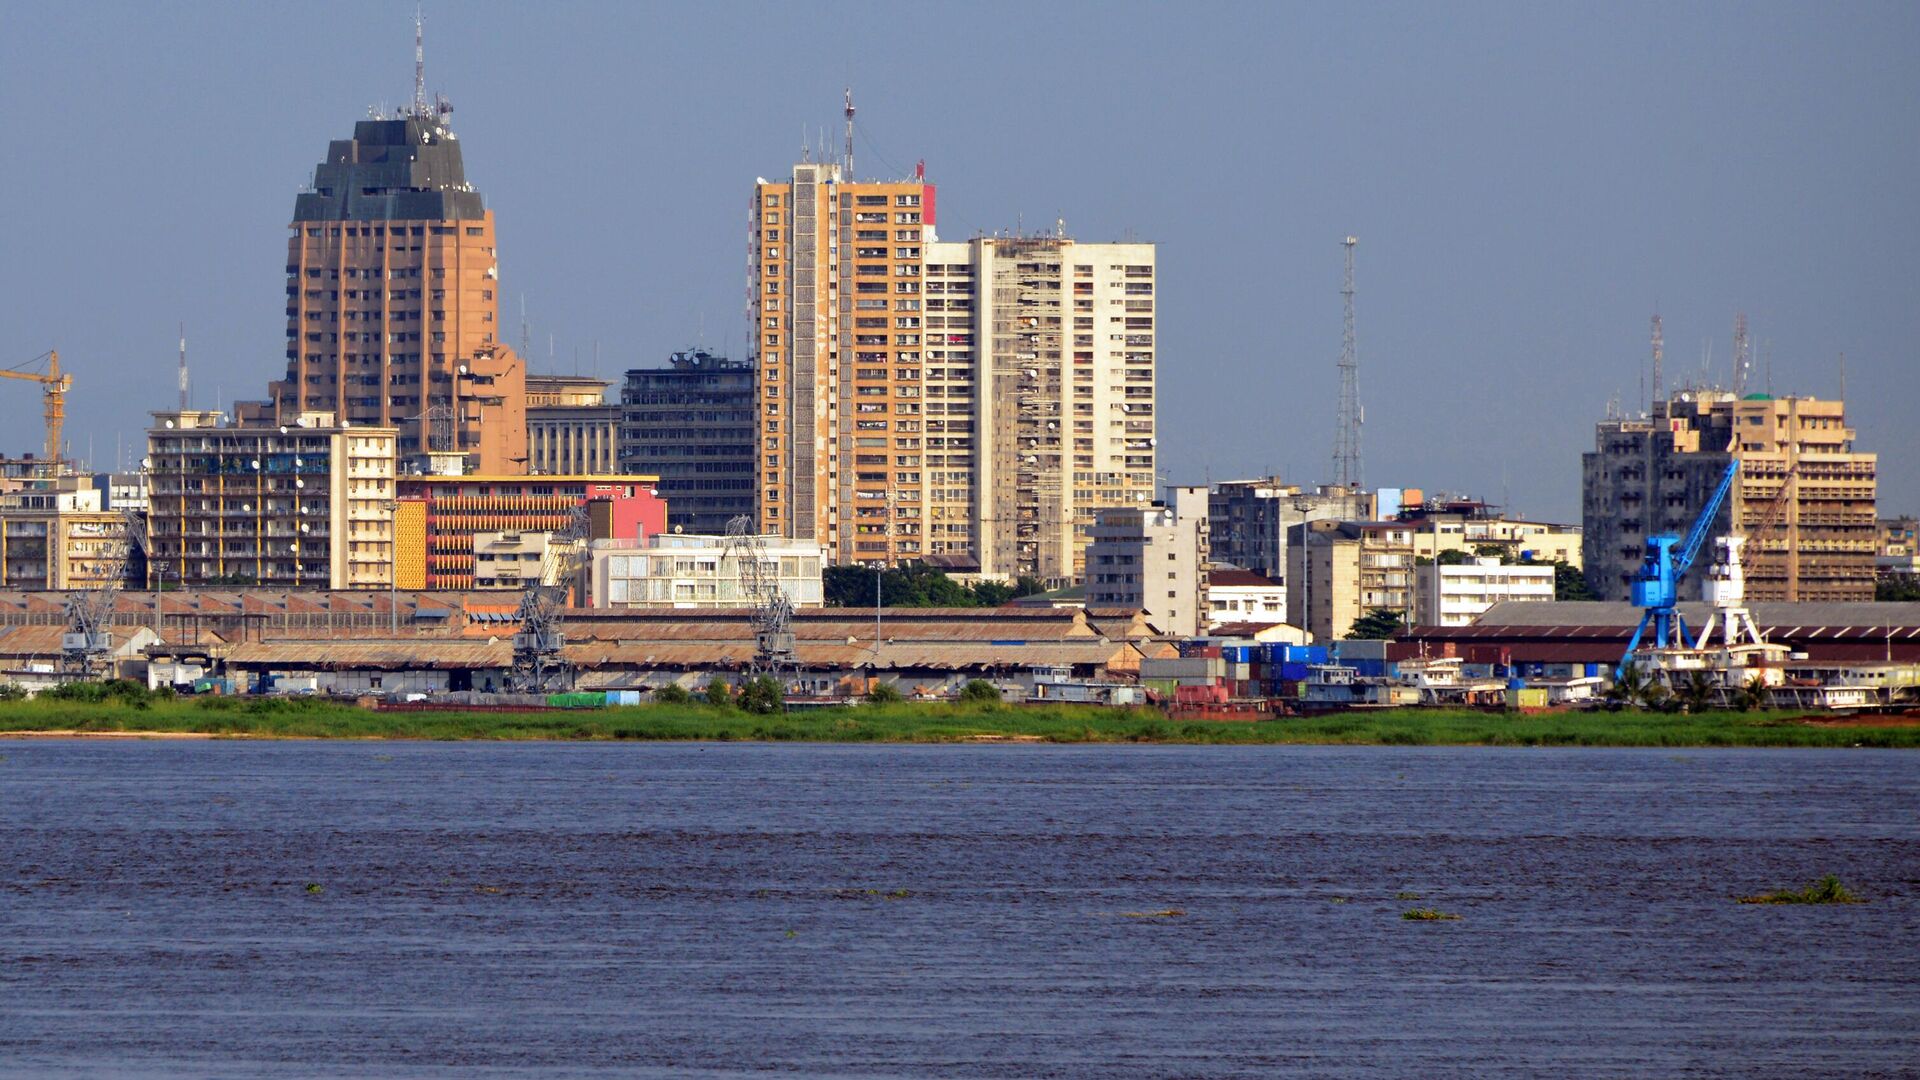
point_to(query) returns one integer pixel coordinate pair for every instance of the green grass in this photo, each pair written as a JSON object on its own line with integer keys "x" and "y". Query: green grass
{"x": 1827, "y": 890}
{"x": 937, "y": 723}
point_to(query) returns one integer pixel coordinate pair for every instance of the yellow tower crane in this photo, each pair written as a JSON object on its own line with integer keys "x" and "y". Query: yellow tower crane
{"x": 54, "y": 387}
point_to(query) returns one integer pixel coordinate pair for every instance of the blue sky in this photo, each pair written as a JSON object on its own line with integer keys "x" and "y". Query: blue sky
{"x": 1528, "y": 183}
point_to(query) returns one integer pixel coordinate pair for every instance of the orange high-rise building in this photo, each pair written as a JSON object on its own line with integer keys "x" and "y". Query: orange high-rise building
{"x": 392, "y": 298}
{"x": 836, "y": 277}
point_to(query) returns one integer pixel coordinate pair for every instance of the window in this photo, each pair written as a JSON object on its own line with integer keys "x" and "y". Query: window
{"x": 475, "y": 230}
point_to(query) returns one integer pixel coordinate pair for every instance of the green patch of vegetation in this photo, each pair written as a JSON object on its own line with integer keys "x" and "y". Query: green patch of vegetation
{"x": 1163, "y": 913}
{"x": 1827, "y": 890}
{"x": 1427, "y": 914}
{"x": 931, "y": 722}
{"x": 1405, "y": 895}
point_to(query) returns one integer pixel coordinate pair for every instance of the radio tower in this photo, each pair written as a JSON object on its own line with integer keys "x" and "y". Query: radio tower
{"x": 1659, "y": 358}
{"x": 850, "y": 176}
{"x": 1346, "y": 443}
{"x": 420, "y": 110}
{"x": 1742, "y": 354}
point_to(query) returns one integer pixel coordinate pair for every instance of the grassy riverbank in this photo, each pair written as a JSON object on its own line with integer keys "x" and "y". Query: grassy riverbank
{"x": 919, "y": 723}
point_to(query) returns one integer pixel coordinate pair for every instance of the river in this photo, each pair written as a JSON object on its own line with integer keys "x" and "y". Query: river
{"x": 235, "y": 908}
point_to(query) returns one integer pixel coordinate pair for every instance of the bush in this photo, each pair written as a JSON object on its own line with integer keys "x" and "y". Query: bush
{"x": 883, "y": 694}
{"x": 763, "y": 696}
{"x": 719, "y": 694}
{"x": 125, "y": 690}
{"x": 979, "y": 690}
{"x": 672, "y": 694}
{"x": 12, "y": 692}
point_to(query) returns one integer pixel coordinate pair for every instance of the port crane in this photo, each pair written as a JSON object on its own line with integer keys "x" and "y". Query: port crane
{"x": 538, "y": 664}
{"x": 1656, "y": 585}
{"x": 773, "y": 641}
{"x": 86, "y": 648}
{"x": 54, "y": 385}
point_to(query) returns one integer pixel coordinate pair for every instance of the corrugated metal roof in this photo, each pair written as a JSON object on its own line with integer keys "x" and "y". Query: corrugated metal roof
{"x": 433, "y": 653}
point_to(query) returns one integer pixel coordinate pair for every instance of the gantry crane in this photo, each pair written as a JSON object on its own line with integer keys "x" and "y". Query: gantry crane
{"x": 54, "y": 387}
{"x": 86, "y": 649}
{"x": 1656, "y": 586}
{"x": 773, "y": 642}
{"x": 539, "y": 667}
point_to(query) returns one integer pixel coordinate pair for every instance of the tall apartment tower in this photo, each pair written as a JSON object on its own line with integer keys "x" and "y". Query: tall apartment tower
{"x": 392, "y": 298}
{"x": 1040, "y": 397}
{"x": 835, "y": 280}
{"x": 692, "y": 424}
{"x": 1805, "y": 498}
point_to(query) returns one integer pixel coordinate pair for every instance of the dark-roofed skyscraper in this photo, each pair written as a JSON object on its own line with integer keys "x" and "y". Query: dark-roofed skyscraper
{"x": 392, "y": 286}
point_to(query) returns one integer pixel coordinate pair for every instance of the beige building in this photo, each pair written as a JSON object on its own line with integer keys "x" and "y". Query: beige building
{"x": 309, "y": 505}
{"x": 972, "y": 403}
{"x": 1805, "y": 497}
{"x": 1457, "y": 594}
{"x": 687, "y": 571}
{"x": 56, "y": 534}
{"x": 515, "y": 560}
{"x": 1153, "y": 558}
{"x": 571, "y": 430}
{"x": 1339, "y": 570}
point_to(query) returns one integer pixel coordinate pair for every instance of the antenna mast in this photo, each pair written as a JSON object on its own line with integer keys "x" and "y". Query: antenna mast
{"x": 420, "y": 111}
{"x": 183, "y": 367}
{"x": 1659, "y": 358}
{"x": 1742, "y": 354}
{"x": 1346, "y": 445}
{"x": 850, "y": 134}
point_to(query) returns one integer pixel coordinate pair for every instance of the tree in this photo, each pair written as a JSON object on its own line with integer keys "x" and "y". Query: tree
{"x": 1897, "y": 589}
{"x": 762, "y": 695}
{"x": 1027, "y": 585}
{"x": 1751, "y": 696}
{"x": 1569, "y": 583}
{"x": 1629, "y": 688}
{"x": 672, "y": 694}
{"x": 1696, "y": 694}
{"x": 1377, "y": 624}
{"x": 991, "y": 593}
{"x": 980, "y": 691}
{"x": 719, "y": 694}
{"x": 883, "y": 694}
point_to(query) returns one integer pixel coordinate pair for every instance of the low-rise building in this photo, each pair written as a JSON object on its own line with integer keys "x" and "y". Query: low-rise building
{"x": 307, "y": 505}
{"x": 457, "y": 509}
{"x": 1457, "y": 594}
{"x": 1242, "y": 596}
{"x": 1341, "y": 570}
{"x": 54, "y": 534}
{"x": 1898, "y": 552}
{"x": 515, "y": 560}
{"x": 571, "y": 430}
{"x": 1249, "y": 519}
{"x": 1153, "y": 558}
{"x": 684, "y": 570}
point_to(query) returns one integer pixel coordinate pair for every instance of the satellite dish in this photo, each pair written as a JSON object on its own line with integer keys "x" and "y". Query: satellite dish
{"x": 283, "y": 429}
{"x": 169, "y": 423}
{"x": 256, "y": 463}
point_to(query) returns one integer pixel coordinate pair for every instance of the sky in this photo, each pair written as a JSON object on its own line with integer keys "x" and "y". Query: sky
{"x": 1529, "y": 184}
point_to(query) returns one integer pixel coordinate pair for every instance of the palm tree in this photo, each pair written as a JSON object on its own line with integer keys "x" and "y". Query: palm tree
{"x": 1629, "y": 688}
{"x": 1697, "y": 693}
{"x": 1753, "y": 695}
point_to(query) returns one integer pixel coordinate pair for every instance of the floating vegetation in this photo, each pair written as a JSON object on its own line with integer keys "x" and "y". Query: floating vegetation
{"x": 1827, "y": 890}
{"x": 314, "y": 888}
{"x": 1165, "y": 913}
{"x": 793, "y": 933}
{"x": 491, "y": 890}
{"x": 1427, "y": 914}
{"x": 1339, "y": 899}
{"x": 856, "y": 894}
{"x": 1406, "y": 895}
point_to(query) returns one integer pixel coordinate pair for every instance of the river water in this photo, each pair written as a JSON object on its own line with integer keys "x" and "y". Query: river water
{"x": 215, "y": 909}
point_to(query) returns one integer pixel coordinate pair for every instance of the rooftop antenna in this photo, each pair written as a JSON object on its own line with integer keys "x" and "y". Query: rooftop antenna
{"x": 1843, "y": 378}
{"x": 183, "y": 367}
{"x": 526, "y": 349}
{"x": 1346, "y": 444}
{"x": 1742, "y": 354}
{"x": 850, "y": 175}
{"x": 1766, "y": 354}
{"x": 1659, "y": 358}
{"x": 420, "y": 110}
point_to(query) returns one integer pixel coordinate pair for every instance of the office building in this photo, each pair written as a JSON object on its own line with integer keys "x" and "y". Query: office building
{"x": 571, "y": 429}
{"x": 392, "y": 302}
{"x": 515, "y": 560}
{"x": 457, "y": 510}
{"x": 1250, "y": 519}
{"x": 1456, "y": 594}
{"x": 1805, "y": 497}
{"x": 1338, "y": 571}
{"x": 691, "y": 423}
{"x": 306, "y": 506}
{"x": 687, "y": 571}
{"x": 56, "y": 533}
{"x": 1153, "y": 558}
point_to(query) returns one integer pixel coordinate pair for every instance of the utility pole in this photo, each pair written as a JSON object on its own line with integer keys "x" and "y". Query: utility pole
{"x": 1346, "y": 445}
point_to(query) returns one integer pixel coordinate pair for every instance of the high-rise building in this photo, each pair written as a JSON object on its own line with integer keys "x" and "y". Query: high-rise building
{"x": 306, "y": 506}
{"x": 1039, "y": 397}
{"x": 691, "y": 424}
{"x": 392, "y": 298}
{"x": 1805, "y": 498}
{"x": 1250, "y": 519}
{"x": 835, "y": 276}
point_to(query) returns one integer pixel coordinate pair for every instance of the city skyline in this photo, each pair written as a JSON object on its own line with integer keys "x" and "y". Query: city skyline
{"x": 1594, "y": 171}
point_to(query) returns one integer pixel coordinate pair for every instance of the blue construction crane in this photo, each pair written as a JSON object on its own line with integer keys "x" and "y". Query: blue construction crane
{"x": 1656, "y": 588}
